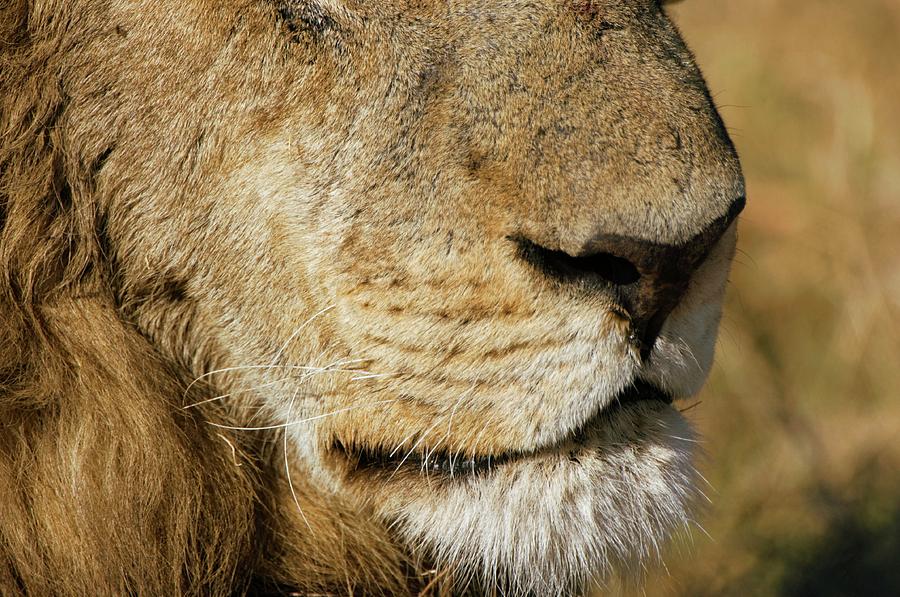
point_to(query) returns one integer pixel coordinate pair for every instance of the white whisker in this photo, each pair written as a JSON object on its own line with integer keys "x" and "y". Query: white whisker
{"x": 685, "y": 439}
{"x": 413, "y": 449}
{"x": 291, "y": 338}
{"x": 287, "y": 468}
{"x": 229, "y": 394}
{"x": 257, "y": 367}
{"x": 222, "y": 370}
{"x": 372, "y": 376}
{"x": 398, "y": 446}
{"x": 690, "y": 353}
{"x": 301, "y": 421}
{"x": 450, "y": 422}
{"x": 408, "y": 454}
{"x": 309, "y": 372}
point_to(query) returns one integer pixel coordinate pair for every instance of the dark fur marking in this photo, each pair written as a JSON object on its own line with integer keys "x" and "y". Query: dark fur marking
{"x": 608, "y": 26}
{"x": 164, "y": 288}
{"x": 590, "y": 12}
{"x": 602, "y": 28}
{"x": 64, "y": 199}
{"x": 109, "y": 261}
{"x": 475, "y": 162}
{"x": 100, "y": 162}
{"x": 173, "y": 290}
{"x": 303, "y": 18}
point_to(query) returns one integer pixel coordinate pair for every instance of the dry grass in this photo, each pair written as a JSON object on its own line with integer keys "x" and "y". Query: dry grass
{"x": 802, "y": 413}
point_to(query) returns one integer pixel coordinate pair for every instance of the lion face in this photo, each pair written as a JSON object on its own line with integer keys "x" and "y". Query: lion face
{"x": 465, "y": 254}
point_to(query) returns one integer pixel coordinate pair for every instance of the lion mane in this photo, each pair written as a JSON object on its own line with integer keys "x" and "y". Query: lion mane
{"x": 105, "y": 481}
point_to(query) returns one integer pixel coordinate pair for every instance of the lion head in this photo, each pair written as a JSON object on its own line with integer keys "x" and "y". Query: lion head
{"x": 397, "y": 285}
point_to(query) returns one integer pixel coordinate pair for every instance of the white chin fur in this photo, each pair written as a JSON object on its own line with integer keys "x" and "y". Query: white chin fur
{"x": 550, "y": 525}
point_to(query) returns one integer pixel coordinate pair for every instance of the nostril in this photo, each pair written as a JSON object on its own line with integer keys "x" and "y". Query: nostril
{"x": 604, "y": 266}
{"x": 646, "y": 278}
{"x": 613, "y": 269}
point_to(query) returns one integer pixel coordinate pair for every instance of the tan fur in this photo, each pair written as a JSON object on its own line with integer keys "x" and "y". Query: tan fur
{"x": 234, "y": 235}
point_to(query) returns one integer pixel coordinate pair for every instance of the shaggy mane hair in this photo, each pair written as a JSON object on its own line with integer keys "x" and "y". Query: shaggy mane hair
{"x": 105, "y": 480}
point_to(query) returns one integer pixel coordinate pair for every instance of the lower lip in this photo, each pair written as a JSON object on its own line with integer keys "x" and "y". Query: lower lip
{"x": 451, "y": 466}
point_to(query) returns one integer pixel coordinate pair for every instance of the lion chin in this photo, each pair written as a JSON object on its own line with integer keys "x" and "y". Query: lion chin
{"x": 331, "y": 296}
{"x": 549, "y": 522}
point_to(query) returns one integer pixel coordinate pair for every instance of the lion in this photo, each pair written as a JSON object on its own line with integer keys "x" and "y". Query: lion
{"x": 351, "y": 297}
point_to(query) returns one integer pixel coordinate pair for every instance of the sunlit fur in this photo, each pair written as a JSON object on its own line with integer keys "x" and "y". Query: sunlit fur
{"x": 239, "y": 237}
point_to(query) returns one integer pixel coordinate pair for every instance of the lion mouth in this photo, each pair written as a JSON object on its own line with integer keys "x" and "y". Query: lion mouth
{"x": 376, "y": 460}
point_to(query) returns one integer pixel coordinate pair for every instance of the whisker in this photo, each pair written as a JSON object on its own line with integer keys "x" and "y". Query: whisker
{"x": 690, "y": 406}
{"x": 450, "y": 422}
{"x": 309, "y": 372}
{"x": 222, "y": 370}
{"x": 333, "y": 367}
{"x": 229, "y": 394}
{"x": 685, "y": 439}
{"x": 409, "y": 453}
{"x": 272, "y": 365}
{"x": 705, "y": 497}
{"x": 690, "y": 353}
{"x": 705, "y": 480}
{"x": 301, "y": 421}
{"x": 398, "y": 446}
{"x": 371, "y": 376}
{"x": 702, "y": 530}
{"x": 411, "y": 450}
{"x": 291, "y": 338}
{"x": 255, "y": 367}
{"x": 287, "y": 468}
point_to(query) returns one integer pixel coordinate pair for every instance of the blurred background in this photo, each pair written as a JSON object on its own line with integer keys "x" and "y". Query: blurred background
{"x": 801, "y": 418}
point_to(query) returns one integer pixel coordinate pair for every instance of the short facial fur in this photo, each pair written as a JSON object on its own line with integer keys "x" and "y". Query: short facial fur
{"x": 246, "y": 243}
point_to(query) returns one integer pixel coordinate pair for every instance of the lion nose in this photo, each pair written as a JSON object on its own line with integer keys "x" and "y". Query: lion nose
{"x": 647, "y": 278}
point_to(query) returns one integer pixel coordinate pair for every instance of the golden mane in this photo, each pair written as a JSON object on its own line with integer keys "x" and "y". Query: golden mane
{"x": 105, "y": 481}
